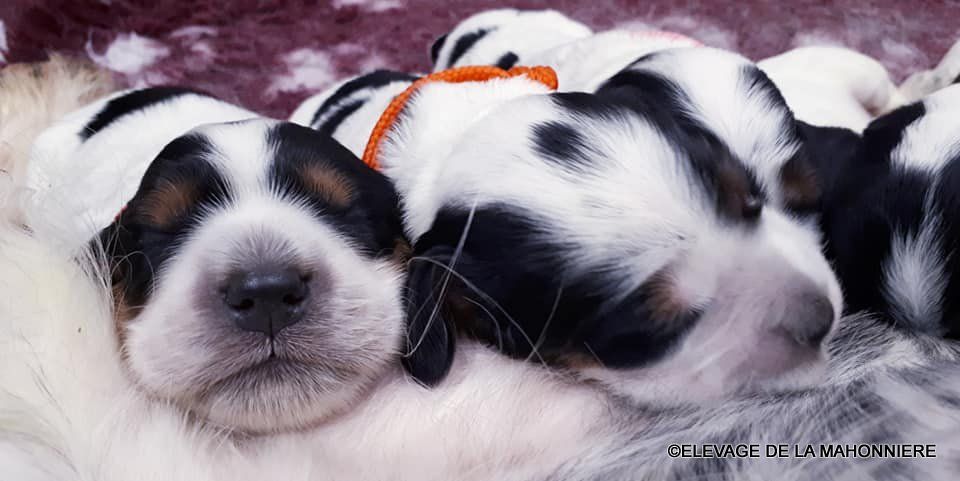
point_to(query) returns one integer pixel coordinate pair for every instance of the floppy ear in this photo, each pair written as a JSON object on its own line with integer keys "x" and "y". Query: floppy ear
{"x": 431, "y": 332}
{"x": 435, "y": 48}
{"x": 830, "y": 154}
{"x": 120, "y": 246}
{"x": 886, "y": 132}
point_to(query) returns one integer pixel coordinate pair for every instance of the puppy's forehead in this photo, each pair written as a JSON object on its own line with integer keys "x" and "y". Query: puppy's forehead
{"x": 241, "y": 152}
{"x": 730, "y": 96}
{"x": 588, "y": 173}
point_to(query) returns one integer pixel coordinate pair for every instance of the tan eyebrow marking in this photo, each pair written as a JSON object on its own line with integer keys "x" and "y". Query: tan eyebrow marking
{"x": 331, "y": 185}
{"x": 799, "y": 184}
{"x": 163, "y": 206}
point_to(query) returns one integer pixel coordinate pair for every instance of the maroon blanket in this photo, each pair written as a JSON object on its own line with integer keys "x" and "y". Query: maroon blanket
{"x": 268, "y": 54}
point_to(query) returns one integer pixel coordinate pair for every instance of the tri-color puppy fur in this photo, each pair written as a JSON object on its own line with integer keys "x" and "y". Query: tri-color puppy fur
{"x": 658, "y": 235}
{"x": 256, "y": 269}
{"x": 504, "y": 37}
{"x": 891, "y": 216}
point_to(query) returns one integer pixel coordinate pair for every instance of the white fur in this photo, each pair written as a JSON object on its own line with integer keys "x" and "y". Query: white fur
{"x": 89, "y": 182}
{"x": 930, "y": 141}
{"x": 521, "y": 32}
{"x": 914, "y": 278}
{"x": 584, "y": 64}
{"x": 833, "y": 86}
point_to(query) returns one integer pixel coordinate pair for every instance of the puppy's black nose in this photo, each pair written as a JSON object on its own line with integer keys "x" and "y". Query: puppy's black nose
{"x": 810, "y": 319}
{"x": 267, "y": 299}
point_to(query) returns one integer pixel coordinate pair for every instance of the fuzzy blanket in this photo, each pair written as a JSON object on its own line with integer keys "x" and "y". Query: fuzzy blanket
{"x": 268, "y": 55}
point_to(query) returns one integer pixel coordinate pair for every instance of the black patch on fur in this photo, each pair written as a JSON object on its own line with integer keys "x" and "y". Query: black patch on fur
{"x": 860, "y": 232}
{"x": 956, "y": 80}
{"x": 333, "y": 122}
{"x": 588, "y": 105}
{"x": 947, "y": 203}
{"x": 465, "y": 42}
{"x": 436, "y": 47}
{"x": 135, "y": 249}
{"x": 371, "y": 220}
{"x": 560, "y": 144}
{"x": 512, "y": 290}
{"x": 507, "y": 61}
{"x": 372, "y": 80}
{"x": 885, "y": 133}
{"x": 131, "y": 102}
{"x": 665, "y": 105}
{"x": 831, "y": 154}
{"x": 869, "y": 201}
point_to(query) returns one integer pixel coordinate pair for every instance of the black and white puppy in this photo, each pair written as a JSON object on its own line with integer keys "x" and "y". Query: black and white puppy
{"x": 253, "y": 269}
{"x": 890, "y": 218}
{"x": 653, "y": 236}
{"x": 504, "y": 37}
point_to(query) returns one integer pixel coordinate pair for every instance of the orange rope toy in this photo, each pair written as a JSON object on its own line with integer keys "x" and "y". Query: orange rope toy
{"x": 474, "y": 73}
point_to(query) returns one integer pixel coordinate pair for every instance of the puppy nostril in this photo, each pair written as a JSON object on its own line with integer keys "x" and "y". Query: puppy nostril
{"x": 243, "y": 305}
{"x": 292, "y": 299}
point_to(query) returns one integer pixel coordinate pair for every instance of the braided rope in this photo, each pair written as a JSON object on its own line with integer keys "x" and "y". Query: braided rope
{"x": 474, "y": 73}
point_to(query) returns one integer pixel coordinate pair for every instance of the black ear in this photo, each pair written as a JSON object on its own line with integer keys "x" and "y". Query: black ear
{"x": 435, "y": 48}
{"x": 130, "y": 272}
{"x": 431, "y": 333}
{"x": 830, "y": 155}
{"x": 886, "y": 132}
{"x": 114, "y": 241}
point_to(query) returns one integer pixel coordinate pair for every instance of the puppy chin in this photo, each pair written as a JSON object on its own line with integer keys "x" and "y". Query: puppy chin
{"x": 277, "y": 396}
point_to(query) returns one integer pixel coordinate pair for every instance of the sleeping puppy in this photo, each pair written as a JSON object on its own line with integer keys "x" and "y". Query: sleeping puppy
{"x": 655, "y": 236}
{"x": 503, "y": 37}
{"x": 889, "y": 219}
{"x": 833, "y": 86}
{"x": 270, "y": 248}
{"x": 253, "y": 269}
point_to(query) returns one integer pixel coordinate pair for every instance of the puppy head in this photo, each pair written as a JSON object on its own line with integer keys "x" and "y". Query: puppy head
{"x": 889, "y": 222}
{"x": 503, "y": 37}
{"x": 615, "y": 239}
{"x": 255, "y": 278}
